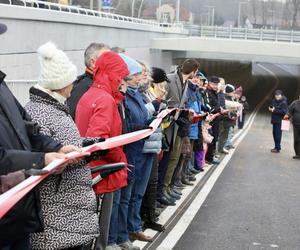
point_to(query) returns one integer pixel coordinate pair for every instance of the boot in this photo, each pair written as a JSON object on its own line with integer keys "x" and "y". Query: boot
{"x": 151, "y": 223}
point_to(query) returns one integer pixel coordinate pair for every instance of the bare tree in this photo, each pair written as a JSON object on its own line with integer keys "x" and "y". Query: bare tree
{"x": 254, "y": 10}
{"x": 295, "y": 10}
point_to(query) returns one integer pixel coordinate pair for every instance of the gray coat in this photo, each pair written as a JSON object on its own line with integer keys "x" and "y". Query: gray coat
{"x": 68, "y": 200}
{"x": 175, "y": 90}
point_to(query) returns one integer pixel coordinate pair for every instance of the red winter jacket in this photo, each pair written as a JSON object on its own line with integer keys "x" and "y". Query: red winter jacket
{"x": 97, "y": 115}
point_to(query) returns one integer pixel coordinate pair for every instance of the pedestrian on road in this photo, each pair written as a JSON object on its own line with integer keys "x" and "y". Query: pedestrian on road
{"x": 278, "y": 108}
{"x": 294, "y": 115}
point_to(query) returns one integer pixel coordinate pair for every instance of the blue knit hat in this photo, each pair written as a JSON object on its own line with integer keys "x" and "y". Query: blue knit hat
{"x": 3, "y": 28}
{"x": 133, "y": 66}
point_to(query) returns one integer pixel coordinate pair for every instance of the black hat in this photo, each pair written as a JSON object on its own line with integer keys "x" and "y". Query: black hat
{"x": 214, "y": 79}
{"x": 278, "y": 92}
{"x": 3, "y": 28}
{"x": 229, "y": 88}
{"x": 159, "y": 75}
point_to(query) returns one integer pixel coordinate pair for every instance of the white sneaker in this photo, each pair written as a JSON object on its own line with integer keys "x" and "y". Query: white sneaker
{"x": 128, "y": 246}
{"x": 113, "y": 247}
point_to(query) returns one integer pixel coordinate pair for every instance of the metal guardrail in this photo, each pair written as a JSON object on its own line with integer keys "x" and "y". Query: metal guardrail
{"x": 20, "y": 89}
{"x": 89, "y": 12}
{"x": 245, "y": 34}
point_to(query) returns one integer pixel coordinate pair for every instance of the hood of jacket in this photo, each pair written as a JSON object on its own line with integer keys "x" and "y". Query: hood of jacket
{"x": 109, "y": 71}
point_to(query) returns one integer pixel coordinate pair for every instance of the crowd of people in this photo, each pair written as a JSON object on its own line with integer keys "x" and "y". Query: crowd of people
{"x": 116, "y": 95}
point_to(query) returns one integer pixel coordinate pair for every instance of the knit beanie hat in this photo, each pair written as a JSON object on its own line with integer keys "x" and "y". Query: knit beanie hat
{"x": 57, "y": 71}
{"x": 229, "y": 88}
{"x": 133, "y": 66}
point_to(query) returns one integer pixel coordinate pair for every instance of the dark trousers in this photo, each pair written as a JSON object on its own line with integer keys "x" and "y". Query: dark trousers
{"x": 19, "y": 244}
{"x": 224, "y": 127}
{"x": 297, "y": 140}
{"x": 277, "y": 134}
{"x": 241, "y": 122}
{"x": 149, "y": 200}
{"x": 212, "y": 147}
{"x": 162, "y": 169}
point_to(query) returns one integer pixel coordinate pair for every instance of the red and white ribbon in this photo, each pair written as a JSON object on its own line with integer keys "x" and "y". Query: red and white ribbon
{"x": 12, "y": 196}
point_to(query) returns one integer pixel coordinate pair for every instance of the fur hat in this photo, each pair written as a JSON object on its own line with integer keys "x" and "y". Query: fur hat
{"x": 57, "y": 71}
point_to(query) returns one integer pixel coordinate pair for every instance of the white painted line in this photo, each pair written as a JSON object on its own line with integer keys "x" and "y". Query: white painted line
{"x": 169, "y": 212}
{"x": 173, "y": 237}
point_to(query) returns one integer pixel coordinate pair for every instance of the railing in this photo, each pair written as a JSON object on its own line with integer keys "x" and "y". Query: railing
{"x": 245, "y": 34}
{"x": 88, "y": 12}
{"x": 20, "y": 89}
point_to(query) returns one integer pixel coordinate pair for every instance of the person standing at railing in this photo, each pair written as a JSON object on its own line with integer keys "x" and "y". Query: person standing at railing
{"x": 22, "y": 147}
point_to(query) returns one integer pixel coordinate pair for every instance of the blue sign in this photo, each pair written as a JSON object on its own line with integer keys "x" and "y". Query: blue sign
{"x": 106, "y": 4}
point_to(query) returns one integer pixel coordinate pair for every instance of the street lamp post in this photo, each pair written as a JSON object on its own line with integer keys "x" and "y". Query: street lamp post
{"x": 178, "y": 11}
{"x": 211, "y": 15}
{"x": 239, "y": 15}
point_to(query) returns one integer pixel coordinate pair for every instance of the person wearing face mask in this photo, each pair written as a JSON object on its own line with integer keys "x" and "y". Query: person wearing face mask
{"x": 70, "y": 222}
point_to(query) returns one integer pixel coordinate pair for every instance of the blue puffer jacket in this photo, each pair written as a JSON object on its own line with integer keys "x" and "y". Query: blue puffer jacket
{"x": 136, "y": 117}
{"x": 281, "y": 108}
{"x": 193, "y": 102}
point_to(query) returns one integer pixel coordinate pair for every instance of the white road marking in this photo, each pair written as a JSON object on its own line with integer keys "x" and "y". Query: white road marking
{"x": 173, "y": 237}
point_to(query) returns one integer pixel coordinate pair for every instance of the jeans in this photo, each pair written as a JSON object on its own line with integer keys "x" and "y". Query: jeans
{"x": 277, "y": 134}
{"x": 230, "y": 136}
{"x": 122, "y": 224}
{"x": 118, "y": 232}
{"x": 143, "y": 169}
{"x": 21, "y": 244}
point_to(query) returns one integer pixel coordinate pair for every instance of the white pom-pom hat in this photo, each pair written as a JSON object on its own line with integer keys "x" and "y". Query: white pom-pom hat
{"x": 57, "y": 71}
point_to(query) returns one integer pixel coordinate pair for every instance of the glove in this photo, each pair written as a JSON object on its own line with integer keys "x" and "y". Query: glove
{"x": 12, "y": 179}
{"x": 97, "y": 155}
{"x": 90, "y": 141}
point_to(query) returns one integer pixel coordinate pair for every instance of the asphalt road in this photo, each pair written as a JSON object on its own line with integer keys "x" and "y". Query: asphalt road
{"x": 255, "y": 204}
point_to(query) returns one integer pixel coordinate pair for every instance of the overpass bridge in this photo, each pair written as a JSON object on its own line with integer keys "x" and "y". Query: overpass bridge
{"x": 227, "y": 43}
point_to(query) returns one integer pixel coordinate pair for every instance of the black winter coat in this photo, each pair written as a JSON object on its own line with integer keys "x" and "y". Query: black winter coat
{"x": 81, "y": 85}
{"x": 212, "y": 99}
{"x": 281, "y": 109}
{"x": 20, "y": 149}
